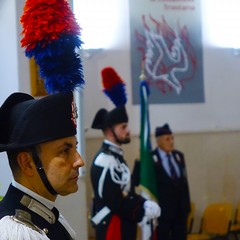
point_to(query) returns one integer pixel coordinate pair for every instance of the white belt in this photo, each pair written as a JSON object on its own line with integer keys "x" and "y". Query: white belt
{"x": 100, "y": 215}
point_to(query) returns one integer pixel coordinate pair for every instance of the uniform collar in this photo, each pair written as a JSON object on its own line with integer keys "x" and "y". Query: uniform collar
{"x": 114, "y": 147}
{"x": 41, "y": 199}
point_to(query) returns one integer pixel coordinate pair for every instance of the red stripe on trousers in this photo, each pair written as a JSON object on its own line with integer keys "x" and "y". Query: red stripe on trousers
{"x": 114, "y": 229}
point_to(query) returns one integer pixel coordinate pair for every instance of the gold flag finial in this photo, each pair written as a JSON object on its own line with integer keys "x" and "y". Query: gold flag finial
{"x": 142, "y": 75}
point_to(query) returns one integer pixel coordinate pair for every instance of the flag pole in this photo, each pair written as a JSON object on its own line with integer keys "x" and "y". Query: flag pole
{"x": 145, "y": 145}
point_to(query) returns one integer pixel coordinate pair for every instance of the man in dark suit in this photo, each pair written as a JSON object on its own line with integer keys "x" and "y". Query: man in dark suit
{"x": 173, "y": 190}
{"x": 39, "y": 138}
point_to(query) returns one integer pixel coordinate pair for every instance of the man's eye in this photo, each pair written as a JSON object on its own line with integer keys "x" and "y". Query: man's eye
{"x": 65, "y": 151}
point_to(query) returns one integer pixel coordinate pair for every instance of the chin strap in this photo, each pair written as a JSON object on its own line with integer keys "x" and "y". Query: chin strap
{"x": 119, "y": 141}
{"x": 41, "y": 171}
{"x": 116, "y": 137}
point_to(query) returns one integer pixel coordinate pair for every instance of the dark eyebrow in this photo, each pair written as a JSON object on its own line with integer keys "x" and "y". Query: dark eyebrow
{"x": 68, "y": 145}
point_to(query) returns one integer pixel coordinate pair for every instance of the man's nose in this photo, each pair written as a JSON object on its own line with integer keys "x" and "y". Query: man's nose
{"x": 79, "y": 161}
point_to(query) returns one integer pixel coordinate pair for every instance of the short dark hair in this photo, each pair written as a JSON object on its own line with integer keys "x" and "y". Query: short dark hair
{"x": 13, "y": 163}
{"x": 12, "y": 158}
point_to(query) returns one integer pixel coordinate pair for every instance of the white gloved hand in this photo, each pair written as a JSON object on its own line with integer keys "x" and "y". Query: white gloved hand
{"x": 152, "y": 209}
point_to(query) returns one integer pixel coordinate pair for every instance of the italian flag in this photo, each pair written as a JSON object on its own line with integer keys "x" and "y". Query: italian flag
{"x": 148, "y": 184}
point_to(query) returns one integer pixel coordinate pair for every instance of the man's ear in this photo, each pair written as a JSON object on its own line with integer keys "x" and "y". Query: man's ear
{"x": 26, "y": 163}
{"x": 110, "y": 131}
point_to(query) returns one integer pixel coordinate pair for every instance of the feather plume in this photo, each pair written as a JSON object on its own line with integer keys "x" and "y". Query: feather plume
{"x": 113, "y": 86}
{"x": 52, "y": 36}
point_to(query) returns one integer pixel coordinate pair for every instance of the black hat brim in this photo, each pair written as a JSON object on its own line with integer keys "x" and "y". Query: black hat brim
{"x": 25, "y": 121}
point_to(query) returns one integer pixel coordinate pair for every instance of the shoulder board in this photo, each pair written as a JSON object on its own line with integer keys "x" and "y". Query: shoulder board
{"x": 104, "y": 160}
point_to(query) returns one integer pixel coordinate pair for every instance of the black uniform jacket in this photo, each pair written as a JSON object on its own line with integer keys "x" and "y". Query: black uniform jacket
{"x": 173, "y": 194}
{"x": 11, "y": 202}
{"x": 110, "y": 178}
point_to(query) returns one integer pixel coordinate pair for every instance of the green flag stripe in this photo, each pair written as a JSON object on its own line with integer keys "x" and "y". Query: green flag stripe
{"x": 147, "y": 172}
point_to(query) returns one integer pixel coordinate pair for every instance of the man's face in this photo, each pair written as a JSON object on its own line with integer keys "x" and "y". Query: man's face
{"x": 122, "y": 133}
{"x": 166, "y": 142}
{"x": 61, "y": 162}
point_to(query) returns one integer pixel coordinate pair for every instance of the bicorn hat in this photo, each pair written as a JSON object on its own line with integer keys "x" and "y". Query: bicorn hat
{"x": 25, "y": 121}
{"x": 104, "y": 118}
{"x": 114, "y": 88}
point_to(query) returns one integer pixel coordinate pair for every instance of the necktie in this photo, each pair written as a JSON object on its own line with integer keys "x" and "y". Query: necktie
{"x": 171, "y": 167}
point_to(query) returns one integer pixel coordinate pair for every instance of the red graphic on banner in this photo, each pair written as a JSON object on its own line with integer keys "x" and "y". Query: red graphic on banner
{"x": 169, "y": 57}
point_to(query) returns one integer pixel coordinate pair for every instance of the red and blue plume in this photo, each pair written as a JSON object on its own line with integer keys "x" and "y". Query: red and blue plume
{"x": 51, "y": 35}
{"x": 113, "y": 86}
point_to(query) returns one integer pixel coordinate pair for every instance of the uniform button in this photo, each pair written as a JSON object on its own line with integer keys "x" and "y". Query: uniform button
{"x": 104, "y": 222}
{"x": 45, "y": 230}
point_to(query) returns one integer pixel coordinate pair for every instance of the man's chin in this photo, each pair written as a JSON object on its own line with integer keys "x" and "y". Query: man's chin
{"x": 70, "y": 191}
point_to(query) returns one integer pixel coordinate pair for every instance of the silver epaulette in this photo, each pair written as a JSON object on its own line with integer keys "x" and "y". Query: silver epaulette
{"x": 24, "y": 218}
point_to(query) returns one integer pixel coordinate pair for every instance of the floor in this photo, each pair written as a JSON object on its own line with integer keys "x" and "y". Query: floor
{"x": 230, "y": 238}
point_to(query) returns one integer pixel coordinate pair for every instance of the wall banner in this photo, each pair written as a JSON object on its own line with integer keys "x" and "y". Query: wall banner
{"x": 166, "y": 38}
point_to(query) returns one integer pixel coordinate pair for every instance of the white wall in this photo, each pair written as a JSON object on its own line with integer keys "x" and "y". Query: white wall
{"x": 8, "y": 71}
{"x": 8, "y": 48}
{"x": 221, "y": 84}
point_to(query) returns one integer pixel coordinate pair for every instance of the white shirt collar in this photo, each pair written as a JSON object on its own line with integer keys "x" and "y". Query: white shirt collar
{"x": 162, "y": 153}
{"x": 114, "y": 147}
{"x": 111, "y": 143}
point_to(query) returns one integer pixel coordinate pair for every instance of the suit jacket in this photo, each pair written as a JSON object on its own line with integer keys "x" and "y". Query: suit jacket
{"x": 173, "y": 194}
{"x": 12, "y": 201}
{"x": 109, "y": 174}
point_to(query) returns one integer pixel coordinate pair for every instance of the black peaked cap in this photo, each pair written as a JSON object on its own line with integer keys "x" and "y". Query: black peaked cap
{"x": 163, "y": 130}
